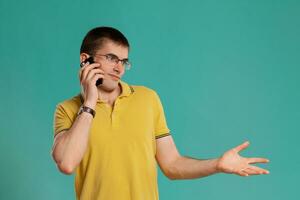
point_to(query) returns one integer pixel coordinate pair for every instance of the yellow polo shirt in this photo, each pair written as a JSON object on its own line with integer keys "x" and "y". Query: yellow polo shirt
{"x": 119, "y": 162}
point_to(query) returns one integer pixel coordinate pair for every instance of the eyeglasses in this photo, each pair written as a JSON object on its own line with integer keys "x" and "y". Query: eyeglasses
{"x": 113, "y": 59}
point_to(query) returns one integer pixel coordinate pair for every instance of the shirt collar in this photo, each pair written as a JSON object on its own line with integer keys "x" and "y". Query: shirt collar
{"x": 127, "y": 90}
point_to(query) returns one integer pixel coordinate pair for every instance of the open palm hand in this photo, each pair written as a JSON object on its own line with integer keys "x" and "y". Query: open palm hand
{"x": 231, "y": 162}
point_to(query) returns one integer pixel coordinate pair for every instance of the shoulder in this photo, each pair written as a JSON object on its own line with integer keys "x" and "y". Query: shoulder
{"x": 143, "y": 90}
{"x": 70, "y": 105}
{"x": 146, "y": 94}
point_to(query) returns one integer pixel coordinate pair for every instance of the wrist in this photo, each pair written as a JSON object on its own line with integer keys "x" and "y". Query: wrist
{"x": 89, "y": 104}
{"x": 86, "y": 109}
{"x": 217, "y": 167}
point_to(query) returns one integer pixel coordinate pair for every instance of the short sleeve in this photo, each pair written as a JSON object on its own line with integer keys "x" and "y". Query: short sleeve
{"x": 161, "y": 128}
{"x": 61, "y": 120}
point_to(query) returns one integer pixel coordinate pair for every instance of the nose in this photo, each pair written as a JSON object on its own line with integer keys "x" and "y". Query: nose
{"x": 118, "y": 67}
{"x": 116, "y": 70}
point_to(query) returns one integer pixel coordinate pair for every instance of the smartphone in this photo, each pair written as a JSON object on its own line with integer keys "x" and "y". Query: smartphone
{"x": 91, "y": 60}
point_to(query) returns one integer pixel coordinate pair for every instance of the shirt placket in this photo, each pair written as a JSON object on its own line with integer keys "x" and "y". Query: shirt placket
{"x": 115, "y": 120}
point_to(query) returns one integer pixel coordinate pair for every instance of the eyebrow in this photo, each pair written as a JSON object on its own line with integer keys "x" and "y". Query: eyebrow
{"x": 125, "y": 59}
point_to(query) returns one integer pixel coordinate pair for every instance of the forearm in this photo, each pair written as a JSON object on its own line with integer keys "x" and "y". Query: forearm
{"x": 191, "y": 168}
{"x": 69, "y": 151}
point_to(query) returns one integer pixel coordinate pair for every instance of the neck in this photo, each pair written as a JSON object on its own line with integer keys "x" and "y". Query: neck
{"x": 109, "y": 96}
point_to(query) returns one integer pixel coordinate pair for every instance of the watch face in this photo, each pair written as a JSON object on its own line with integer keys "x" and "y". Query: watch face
{"x": 86, "y": 109}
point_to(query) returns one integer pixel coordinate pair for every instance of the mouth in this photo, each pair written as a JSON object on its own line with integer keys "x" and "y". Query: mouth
{"x": 115, "y": 77}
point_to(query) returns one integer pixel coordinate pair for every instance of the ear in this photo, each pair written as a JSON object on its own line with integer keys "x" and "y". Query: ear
{"x": 83, "y": 56}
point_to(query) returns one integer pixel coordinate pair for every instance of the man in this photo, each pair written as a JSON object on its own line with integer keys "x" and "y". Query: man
{"x": 112, "y": 135}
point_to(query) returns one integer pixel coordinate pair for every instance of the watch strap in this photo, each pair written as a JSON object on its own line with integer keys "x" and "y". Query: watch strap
{"x": 87, "y": 109}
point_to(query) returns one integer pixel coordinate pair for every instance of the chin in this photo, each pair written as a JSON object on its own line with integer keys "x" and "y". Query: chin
{"x": 109, "y": 85}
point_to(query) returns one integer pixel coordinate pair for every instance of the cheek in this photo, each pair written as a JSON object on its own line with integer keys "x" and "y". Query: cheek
{"x": 109, "y": 69}
{"x": 122, "y": 72}
{"x": 106, "y": 69}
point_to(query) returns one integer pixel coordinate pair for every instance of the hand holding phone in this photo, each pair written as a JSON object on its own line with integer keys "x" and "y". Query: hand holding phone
{"x": 89, "y": 74}
{"x": 90, "y": 60}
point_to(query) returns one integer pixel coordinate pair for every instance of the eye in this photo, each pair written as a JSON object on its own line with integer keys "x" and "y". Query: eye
{"x": 125, "y": 62}
{"x": 110, "y": 57}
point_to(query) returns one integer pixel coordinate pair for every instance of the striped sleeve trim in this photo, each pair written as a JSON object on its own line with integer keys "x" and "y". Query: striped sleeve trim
{"x": 162, "y": 135}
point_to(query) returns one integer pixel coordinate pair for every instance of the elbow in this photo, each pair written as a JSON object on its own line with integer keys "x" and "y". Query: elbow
{"x": 63, "y": 167}
{"x": 66, "y": 169}
{"x": 172, "y": 176}
{"x": 172, "y": 173}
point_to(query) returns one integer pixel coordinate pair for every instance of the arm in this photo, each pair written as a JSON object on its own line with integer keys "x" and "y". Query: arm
{"x": 175, "y": 166}
{"x": 69, "y": 146}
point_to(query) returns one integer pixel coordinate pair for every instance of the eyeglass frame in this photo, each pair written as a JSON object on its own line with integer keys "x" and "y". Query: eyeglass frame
{"x": 125, "y": 62}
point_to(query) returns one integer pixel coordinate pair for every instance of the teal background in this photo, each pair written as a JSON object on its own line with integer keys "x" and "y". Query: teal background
{"x": 226, "y": 72}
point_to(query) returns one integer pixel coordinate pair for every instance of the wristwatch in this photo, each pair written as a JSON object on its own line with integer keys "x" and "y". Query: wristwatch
{"x": 86, "y": 109}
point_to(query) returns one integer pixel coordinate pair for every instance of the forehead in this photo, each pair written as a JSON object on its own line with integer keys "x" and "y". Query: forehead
{"x": 113, "y": 48}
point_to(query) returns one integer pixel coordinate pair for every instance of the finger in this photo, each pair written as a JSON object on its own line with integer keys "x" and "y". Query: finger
{"x": 80, "y": 72}
{"x": 82, "y": 67}
{"x": 83, "y": 63}
{"x": 95, "y": 78}
{"x": 87, "y": 68}
{"x": 250, "y": 171}
{"x": 242, "y": 173}
{"x": 242, "y": 146}
{"x": 259, "y": 170}
{"x": 92, "y": 72}
{"x": 84, "y": 70}
{"x": 257, "y": 160}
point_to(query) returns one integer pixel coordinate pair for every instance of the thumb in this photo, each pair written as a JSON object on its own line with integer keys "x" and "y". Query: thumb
{"x": 242, "y": 146}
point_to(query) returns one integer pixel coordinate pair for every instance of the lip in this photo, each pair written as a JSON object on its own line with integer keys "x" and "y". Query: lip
{"x": 114, "y": 76}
